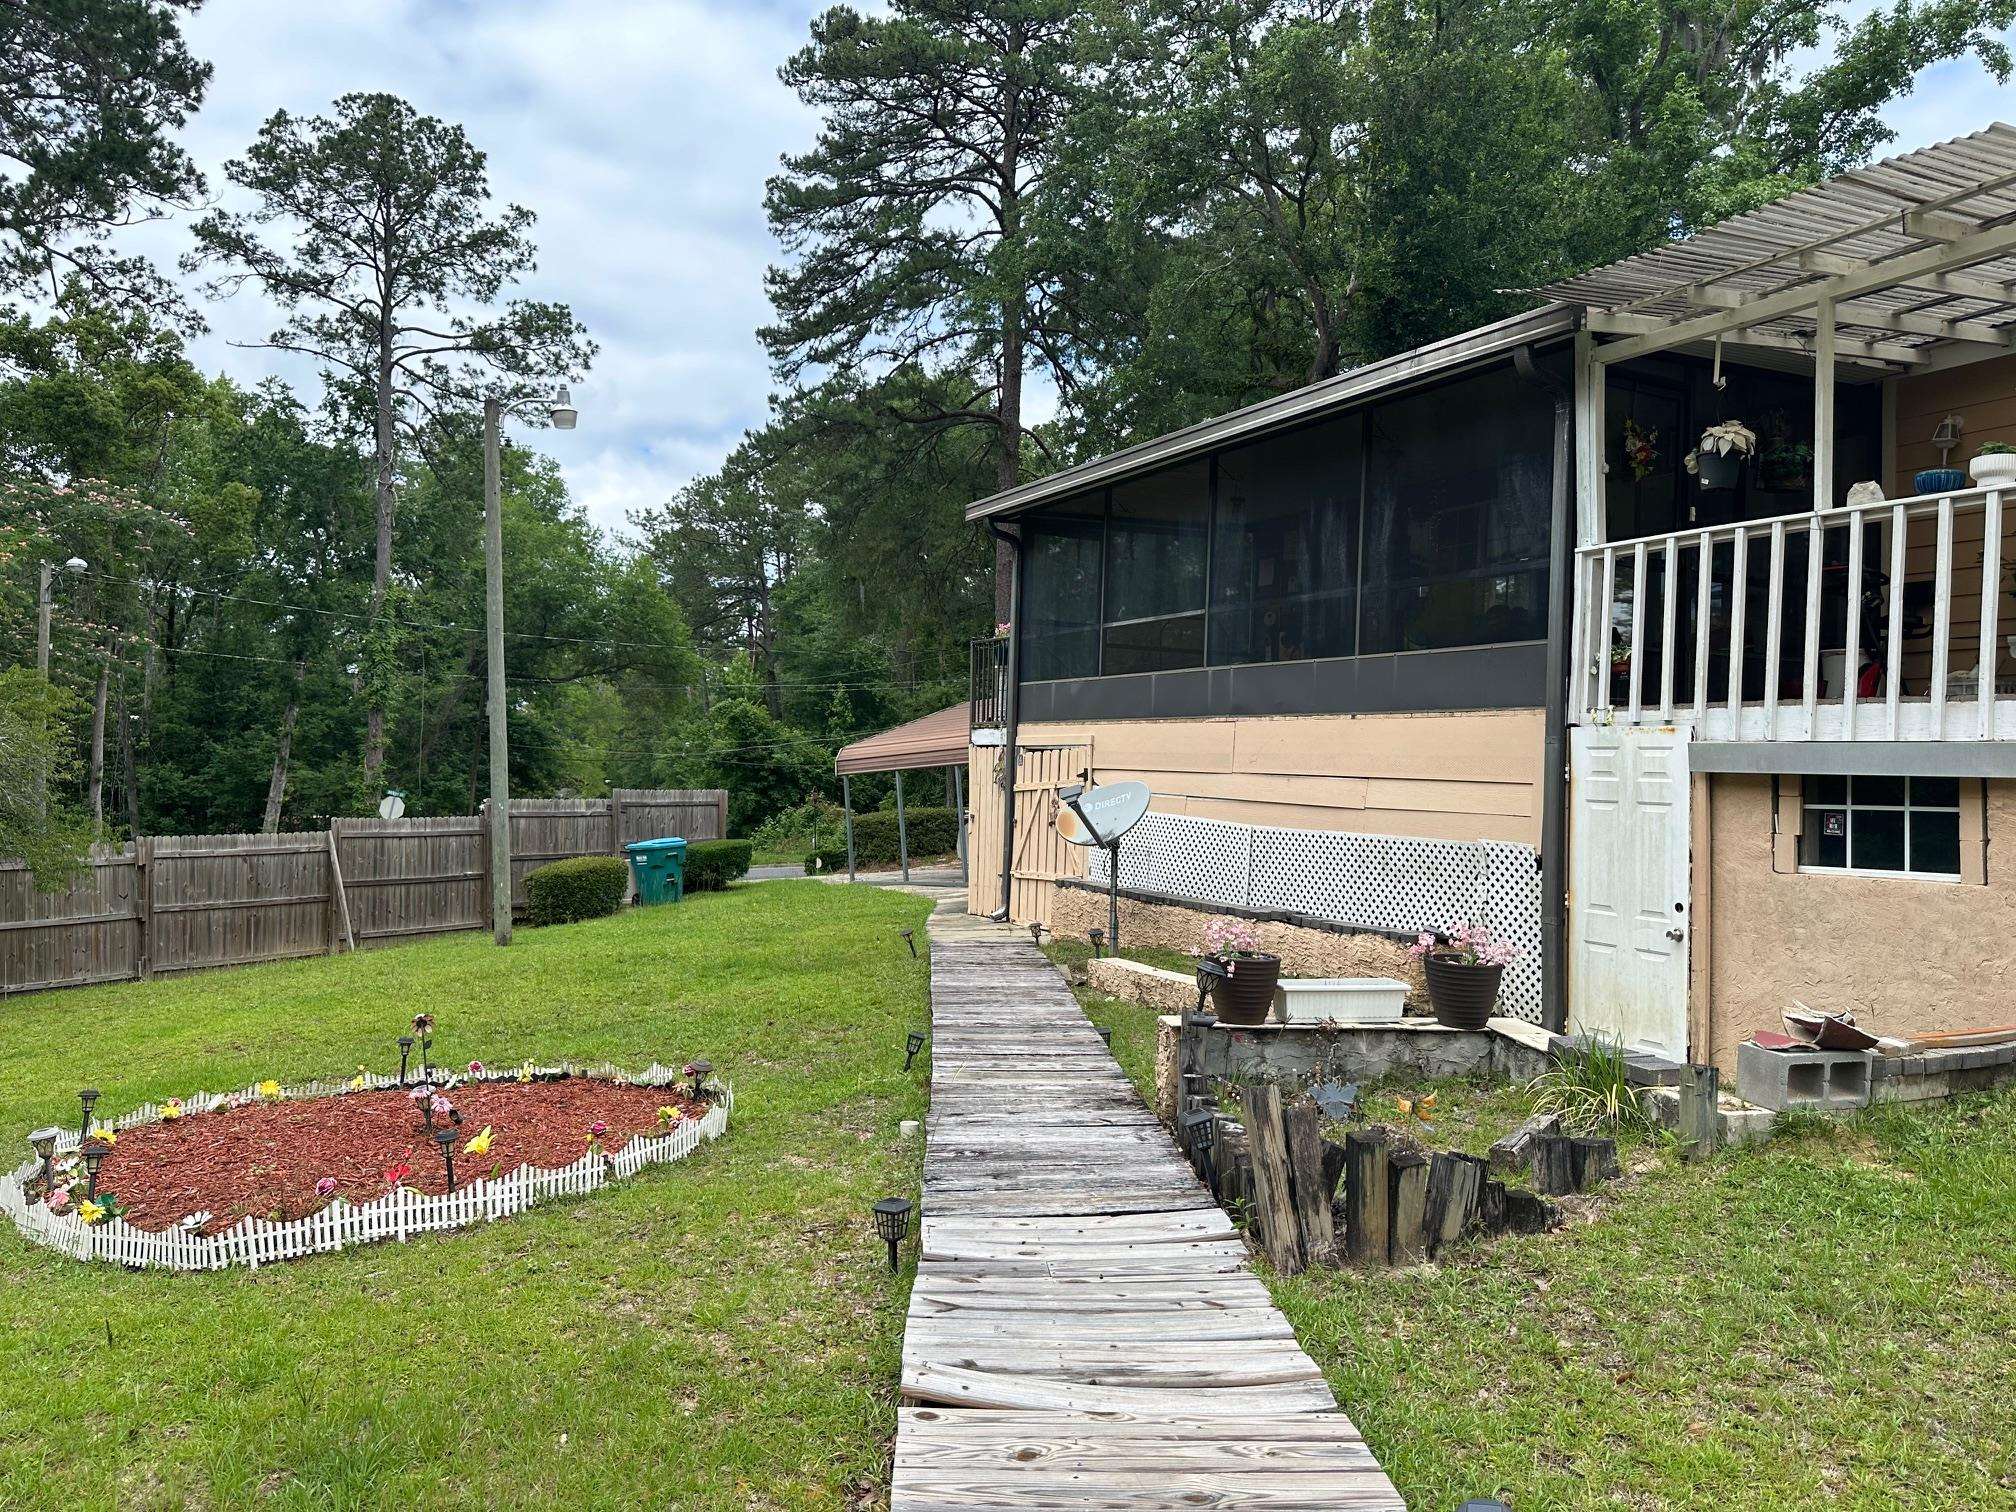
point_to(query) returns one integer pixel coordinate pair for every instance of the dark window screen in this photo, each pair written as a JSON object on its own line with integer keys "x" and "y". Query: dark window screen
{"x": 1060, "y": 592}
{"x": 1156, "y": 539}
{"x": 1284, "y": 566}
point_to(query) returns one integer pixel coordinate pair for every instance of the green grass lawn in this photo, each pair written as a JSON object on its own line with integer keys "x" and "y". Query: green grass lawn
{"x": 1826, "y": 1320}
{"x": 720, "y": 1332}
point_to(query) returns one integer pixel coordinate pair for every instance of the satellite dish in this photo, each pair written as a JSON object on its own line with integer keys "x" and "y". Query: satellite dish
{"x": 1101, "y": 815}
{"x": 392, "y": 805}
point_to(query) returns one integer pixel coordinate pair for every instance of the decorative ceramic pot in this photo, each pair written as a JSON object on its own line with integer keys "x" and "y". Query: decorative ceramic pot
{"x": 1245, "y": 995}
{"x": 1463, "y": 995}
{"x": 1938, "y": 480}
{"x": 1994, "y": 469}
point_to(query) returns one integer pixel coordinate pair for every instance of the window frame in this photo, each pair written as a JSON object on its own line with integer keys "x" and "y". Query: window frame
{"x": 1848, "y": 806}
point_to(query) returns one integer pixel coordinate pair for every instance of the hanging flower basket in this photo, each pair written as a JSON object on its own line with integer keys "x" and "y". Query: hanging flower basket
{"x": 1242, "y": 990}
{"x": 1725, "y": 447}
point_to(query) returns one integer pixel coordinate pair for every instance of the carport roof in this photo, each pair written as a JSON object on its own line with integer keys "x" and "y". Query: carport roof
{"x": 936, "y": 740}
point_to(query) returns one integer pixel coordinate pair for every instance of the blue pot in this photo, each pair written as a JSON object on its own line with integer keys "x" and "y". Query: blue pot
{"x": 1939, "y": 480}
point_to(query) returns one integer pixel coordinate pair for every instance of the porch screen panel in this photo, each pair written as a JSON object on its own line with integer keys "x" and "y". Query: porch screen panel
{"x": 1284, "y": 566}
{"x": 1060, "y": 591}
{"x": 1457, "y": 510}
{"x": 1156, "y": 541}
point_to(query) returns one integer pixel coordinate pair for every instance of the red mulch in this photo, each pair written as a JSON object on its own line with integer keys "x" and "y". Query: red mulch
{"x": 265, "y": 1158}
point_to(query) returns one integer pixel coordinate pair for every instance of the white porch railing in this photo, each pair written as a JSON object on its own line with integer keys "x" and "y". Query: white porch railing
{"x": 1732, "y": 627}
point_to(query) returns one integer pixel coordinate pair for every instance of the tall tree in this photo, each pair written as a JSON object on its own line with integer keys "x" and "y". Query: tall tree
{"x": 90, "y": 92}
{"x": 910, "y": 222}
{"x": 374, "y": 231}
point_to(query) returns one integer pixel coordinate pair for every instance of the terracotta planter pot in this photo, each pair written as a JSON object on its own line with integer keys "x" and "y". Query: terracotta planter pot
{"x": 1246, "y": 994}
{"x": 1463, "y": 995}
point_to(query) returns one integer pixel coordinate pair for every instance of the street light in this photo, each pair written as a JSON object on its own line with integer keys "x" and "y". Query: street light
{"x": 562, "y": 413}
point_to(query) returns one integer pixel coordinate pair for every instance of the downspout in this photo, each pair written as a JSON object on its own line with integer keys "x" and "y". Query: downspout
{"x": 1554, "y": 772}
{"x": 1013, "y": 541}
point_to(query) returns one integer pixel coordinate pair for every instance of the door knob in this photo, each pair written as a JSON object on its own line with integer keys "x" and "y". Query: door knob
{"x": 1675, "y": 935}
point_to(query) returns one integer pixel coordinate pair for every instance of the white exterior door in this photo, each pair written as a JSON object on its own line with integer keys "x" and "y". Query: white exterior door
{"x": 1628, "y": 887}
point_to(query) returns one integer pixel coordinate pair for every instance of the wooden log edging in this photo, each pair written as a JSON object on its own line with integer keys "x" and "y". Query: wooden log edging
{"x": 399, "y": 1214}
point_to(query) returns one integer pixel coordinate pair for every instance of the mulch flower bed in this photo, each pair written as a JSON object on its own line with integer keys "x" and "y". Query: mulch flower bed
{"x": 266, "y": 1158}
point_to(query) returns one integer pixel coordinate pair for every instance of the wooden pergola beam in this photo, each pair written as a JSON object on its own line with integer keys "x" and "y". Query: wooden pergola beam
{"x": 1890, "y": 353}
{"x": 1855, "y": 313}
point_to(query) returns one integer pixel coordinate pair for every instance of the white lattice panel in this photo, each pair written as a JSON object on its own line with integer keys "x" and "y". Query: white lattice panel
{"x": 1391, "y": 882}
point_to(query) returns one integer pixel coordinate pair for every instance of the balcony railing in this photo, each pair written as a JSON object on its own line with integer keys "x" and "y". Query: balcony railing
{"x": 1876, "y": 622}
{"x": 987, "y": 683}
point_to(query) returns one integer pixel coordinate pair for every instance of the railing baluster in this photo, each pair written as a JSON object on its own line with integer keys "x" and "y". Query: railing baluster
{"x": 1893, "y": 675}
{"x": 1578, "y": 642}
{"x": 1991, "y": 606}
{"x": 1603, "y": 628}
{"x": 1774, "y": 630}
{"x": 1942, "y": 617}
{"x": 1704, "y": 602}
{"x": 1739, "y": 608}
{"x": 1668, "y": 591}
{"x": 1637, "y": 630}
{"x": 1809, "y": 669}
{"x": 1851, "y": 656}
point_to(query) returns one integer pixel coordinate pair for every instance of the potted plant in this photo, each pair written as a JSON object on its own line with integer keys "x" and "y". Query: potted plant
{"x": 1464, "y": 965}
{"x": 1718, "y": 460}
{"x": 1994, "y": 466}
{"x": 1242, "y": 989}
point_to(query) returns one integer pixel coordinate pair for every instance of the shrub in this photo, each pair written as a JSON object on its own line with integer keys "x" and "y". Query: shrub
{"x": 814, "y": 823}
{"x": 933, "y": 832}
{"x": 582, "y": 887}
{"x": 1590, "y": 1088}
{"x": 712, "y": 864}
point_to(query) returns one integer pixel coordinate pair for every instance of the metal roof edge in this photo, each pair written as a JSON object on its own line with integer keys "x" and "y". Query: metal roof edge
{"x": 1434, "y": 359}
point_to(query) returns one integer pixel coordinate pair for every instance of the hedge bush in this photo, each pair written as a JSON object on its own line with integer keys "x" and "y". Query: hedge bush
{"x": 712, "y": 864}
{"x": 933, "y": 832}
{"x": 582, "y": 887}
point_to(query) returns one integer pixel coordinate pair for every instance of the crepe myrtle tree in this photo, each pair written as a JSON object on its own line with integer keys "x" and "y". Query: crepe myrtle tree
{"x": 373, "y": 229}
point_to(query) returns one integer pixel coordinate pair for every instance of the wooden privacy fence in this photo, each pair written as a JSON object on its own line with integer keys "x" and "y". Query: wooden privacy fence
{"x": 180, "y": 903}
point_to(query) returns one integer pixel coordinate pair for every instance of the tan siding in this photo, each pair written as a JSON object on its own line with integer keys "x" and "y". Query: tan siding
{"x": 1463, "y": 776}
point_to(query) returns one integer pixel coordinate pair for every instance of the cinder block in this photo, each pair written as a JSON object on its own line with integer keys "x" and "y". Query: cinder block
{"x": 1825, "y": 1081}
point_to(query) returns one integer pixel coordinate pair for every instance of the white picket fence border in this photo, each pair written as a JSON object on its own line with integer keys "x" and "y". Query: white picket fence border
{"x": 399, "y": 1214}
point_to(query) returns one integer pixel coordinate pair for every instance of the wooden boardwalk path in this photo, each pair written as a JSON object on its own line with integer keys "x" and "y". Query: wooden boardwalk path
{"x": 1084, "y": 1330}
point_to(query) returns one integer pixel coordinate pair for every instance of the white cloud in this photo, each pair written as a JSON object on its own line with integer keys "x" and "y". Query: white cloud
{"x": 641, "y": 132}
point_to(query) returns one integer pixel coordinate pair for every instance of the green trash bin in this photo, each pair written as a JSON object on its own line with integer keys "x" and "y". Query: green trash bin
{"x": 659, "y": 869}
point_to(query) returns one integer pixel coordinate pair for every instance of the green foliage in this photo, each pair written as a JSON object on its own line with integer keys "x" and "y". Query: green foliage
{"x": 581, "y": 887}
{"x": 712, "y": 864}
{"x": 35, "y": 761}
{"x": 932, "y": 832}
{"x": 1590, "y": 1088}
{"x": 764, "y": 764}
{"x": 1996, "y": 449}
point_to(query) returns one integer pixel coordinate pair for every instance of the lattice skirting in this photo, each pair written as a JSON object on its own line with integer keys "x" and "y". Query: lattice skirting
{"x": 399, "y": 1214}
{"x": 1391, "y": 882}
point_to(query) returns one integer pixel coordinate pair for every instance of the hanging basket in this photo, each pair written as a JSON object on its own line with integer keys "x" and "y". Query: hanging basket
{"x": 1719, "y": 470}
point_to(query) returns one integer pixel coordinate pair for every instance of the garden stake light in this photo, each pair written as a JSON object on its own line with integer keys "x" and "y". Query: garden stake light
{"x": 911, "y": 1045}
{"x": 95, "y": 1152}
{"x": 701, "y": 1069}
{"x": 89, "y": 1097}
{"x": 1105, "y": 1036}
{"x": 1036, "y": 932}
{"x": 405, "y": 1050}
{"x": 445, "y": 1138}
{"x": 910, "y": 939}
{"x": 892, "y": 1222}
{"x": 43, "y": 1143}
{"x": 1098, "y": 938}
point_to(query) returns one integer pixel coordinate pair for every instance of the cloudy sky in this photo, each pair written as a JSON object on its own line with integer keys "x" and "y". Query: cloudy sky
{"x": 641, "y": 132}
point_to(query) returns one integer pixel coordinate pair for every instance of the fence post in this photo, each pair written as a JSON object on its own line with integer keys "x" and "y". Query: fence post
{"x": 615, "y": 821}
{"x": 338, "y": 895}
{"x": 721, "y": 813}
{"x": 143, "y": 903}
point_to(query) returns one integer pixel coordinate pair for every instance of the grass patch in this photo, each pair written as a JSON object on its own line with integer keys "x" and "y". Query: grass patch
{"x": 1825, "y": 1319}
{"x": 721, "y": 1332}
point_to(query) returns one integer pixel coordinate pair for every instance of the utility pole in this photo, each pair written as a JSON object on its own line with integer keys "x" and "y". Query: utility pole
{"x": 45, "y": 608}
{"x": 493, "y": 614}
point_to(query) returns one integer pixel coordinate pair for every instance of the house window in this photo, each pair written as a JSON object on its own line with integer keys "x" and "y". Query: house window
{"x": 1155, "y": 544}
{"x": 1060, "y": 597}
{"x": 1889, "y": 826}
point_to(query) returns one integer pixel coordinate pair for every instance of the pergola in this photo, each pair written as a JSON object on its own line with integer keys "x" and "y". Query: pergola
{"x": 1906, "y": 265}
{"x": 936, "y": 740}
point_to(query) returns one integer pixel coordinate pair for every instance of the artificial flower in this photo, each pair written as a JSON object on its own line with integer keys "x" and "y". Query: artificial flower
{"x": 525, "y": 1072}
{"x": 58, "y": 1201}
{"x": 668, "y": 1116}
{"x": 269, "y": 1088}
{"x": 480, "y": 1145}
{"x": 475, "y": 1068}
{"x": 423, "y": 1024}
{"x": 689, "y": 1069}
{"x": 172, "y": 1109}
{"x": 398, "y": 1173}
{"x": 105, "y": 1133}
{"x": 439, "y": 1106}
{"x": 326, "y": 1187}
{"x": 90, "y": 1211}
{"x": 421, "y": 1092}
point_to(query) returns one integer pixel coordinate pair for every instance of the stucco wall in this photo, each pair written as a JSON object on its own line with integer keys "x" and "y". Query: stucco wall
{"x": 1462, "y": 776}
{"x": 1904, "y": 955}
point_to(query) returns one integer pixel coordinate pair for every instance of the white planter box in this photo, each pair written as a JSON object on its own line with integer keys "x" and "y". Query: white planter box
{"x": 1340, "y": 1000}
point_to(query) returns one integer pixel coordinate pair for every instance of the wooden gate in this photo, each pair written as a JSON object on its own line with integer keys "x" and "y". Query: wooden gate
{"x": 1041, "y": 856}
